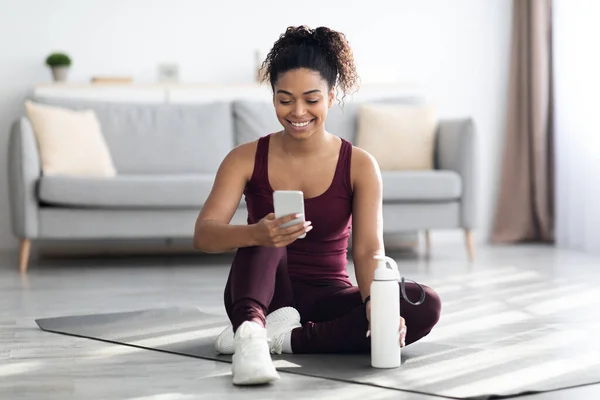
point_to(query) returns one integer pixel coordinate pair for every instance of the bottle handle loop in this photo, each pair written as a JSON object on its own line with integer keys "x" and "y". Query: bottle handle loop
{"x": 403, "y": 291}
{"x": 391, "y": 264}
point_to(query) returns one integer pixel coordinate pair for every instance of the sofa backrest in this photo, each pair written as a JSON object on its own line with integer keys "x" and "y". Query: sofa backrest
{"x": 162, "y": 138}
{"x": 194, "y": 138}
{"x": 253, "y": 119}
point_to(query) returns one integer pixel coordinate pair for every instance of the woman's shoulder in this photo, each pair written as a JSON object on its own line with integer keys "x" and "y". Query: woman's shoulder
{"x": 363, "y": 159}
{"x": 245, "y": 150}
{"x": 363, "y": 166}
{"x": 241, "y": 157}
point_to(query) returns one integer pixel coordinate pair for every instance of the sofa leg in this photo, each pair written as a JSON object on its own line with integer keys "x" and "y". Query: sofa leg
{"x": 24, "y": 250}
{"x": 427, "y": 243}
{"x": 470, "y": 244}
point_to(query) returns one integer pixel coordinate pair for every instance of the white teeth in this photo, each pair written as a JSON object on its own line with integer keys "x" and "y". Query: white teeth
{"x": 299, "y": 125}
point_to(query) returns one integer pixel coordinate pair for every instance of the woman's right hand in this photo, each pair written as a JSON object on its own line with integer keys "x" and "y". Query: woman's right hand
{"x": 269, "y": 232}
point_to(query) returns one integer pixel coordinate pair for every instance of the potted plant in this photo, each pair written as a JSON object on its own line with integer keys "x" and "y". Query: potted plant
{"x": 59, "y": 63}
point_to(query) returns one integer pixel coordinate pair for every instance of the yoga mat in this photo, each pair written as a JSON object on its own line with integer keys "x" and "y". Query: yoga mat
{"x": 536, "y": 357}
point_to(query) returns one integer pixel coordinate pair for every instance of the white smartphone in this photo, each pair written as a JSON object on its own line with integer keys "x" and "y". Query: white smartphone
{"x": 286, "y": 202}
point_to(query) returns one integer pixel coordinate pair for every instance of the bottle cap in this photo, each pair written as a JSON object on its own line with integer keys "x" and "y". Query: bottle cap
{"x": 387, "y": 269}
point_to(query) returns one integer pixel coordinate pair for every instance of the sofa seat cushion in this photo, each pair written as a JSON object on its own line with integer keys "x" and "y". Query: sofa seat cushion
{"x": 127, "y": 191}
{"x": 433, "y": 185}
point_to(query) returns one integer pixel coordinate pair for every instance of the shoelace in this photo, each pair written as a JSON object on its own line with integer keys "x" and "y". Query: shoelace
{"x": 403, "y": 291}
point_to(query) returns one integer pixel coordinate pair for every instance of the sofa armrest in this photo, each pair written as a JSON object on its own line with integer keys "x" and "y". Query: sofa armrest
{"x": 23, "y": 172}
{"x": 455, "y": 151}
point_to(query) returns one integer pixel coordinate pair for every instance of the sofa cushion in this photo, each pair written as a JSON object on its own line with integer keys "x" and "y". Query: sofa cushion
{"x": 161, "y": 138}
{"x": 139, "y": 191}
{"x": 398, "y": 136}
{"x": 435, "y": 185}
{"x": 70, "y": 142}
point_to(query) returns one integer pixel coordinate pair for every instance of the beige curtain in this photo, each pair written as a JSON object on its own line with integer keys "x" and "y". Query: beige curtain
{"x": 525, "y": 209}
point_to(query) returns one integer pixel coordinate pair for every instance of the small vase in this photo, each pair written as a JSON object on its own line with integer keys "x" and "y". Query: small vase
{"x": 60, "y": 73}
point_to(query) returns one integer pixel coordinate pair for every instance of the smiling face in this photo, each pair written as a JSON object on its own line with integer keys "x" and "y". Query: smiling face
{"x": 302, "y": 98}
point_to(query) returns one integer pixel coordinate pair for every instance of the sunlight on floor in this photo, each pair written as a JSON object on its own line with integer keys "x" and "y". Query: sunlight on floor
{"x": 516, "y": 277}
{"x": 285, "y": 364}
{"x": 553, "y": 292}
{"x": 197, "y": 324}
{"x": 473, "y": 311}
{"x": 462, "y": 328}
{"x": 448, "y": 288}
{"x": 225, "y": 372}
{"x": 15, "y": 368}
{"x": 433, "y": 355}
{"x": 472, "y": 276}
{"x": 354, "y": 392}
{"x": 504, "y": 292}
{"x": 564, "y": 303}
{"x": 524, "y": 378}
{"x": 469, "y": 365}
{"x": 167, "y": 396}
{"x": 155, "y": 342}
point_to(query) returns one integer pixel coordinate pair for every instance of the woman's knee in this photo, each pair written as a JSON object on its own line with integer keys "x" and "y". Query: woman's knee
{"x": 427, "y": 313}
{"x": 431, "y": 307}
{"x": 245, "y": 256}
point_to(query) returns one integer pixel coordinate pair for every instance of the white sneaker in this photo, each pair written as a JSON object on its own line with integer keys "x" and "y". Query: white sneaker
{"x": 251, "y": 362}
{"x": 279, "y": 322}
{"x": 225, "y": 343}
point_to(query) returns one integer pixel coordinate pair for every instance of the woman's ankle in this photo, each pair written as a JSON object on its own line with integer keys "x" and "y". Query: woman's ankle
{"x": 247, "y": 310}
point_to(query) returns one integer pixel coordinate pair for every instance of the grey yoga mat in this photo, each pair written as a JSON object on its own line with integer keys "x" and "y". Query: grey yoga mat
{"x": 527, "y": 362}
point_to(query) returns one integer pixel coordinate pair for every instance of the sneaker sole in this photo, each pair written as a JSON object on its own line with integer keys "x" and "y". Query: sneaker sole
{"x": 258, "y": 379}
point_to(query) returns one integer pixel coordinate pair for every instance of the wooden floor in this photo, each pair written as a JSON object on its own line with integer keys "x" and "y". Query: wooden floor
{"x": 39, "y": 365}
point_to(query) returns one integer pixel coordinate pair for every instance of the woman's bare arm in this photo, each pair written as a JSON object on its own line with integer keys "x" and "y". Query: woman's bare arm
{"x": 367, "y": 218}
{"x": 213, "y": 232}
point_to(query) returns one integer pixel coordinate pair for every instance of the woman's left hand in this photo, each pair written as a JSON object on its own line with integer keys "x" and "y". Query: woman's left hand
{"x": 402, "y": 332}
{"x": 402, "y": 327}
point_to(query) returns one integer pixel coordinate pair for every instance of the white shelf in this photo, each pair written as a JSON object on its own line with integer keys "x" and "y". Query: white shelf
{"x": 196, "y": 93}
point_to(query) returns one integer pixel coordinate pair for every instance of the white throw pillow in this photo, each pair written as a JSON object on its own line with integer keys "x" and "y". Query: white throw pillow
{"x": 70, "y": 142}
{"x": 398, "y": 136}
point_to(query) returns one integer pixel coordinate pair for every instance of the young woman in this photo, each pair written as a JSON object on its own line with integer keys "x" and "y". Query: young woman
{"x": 286, "y": 294}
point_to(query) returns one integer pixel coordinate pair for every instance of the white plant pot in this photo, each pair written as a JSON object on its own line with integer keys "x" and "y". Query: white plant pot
{"x": 60, "y": 73}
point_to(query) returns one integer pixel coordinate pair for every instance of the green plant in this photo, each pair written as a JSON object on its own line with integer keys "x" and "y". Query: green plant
{"x": 58, "y": 60}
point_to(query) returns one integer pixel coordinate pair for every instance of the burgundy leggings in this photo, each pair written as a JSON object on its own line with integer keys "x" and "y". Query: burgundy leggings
{"x": 332, "y": 314}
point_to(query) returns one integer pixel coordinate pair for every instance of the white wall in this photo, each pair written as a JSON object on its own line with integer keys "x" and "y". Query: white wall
{"x": 456, "y": 51}
{"x": 576, "y": 32}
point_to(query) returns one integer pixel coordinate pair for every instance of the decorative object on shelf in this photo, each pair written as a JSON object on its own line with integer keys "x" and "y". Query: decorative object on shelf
{"x": 59, "y": 63}
{"x": 111, "y": 80}
{"x": 168, "y": 73}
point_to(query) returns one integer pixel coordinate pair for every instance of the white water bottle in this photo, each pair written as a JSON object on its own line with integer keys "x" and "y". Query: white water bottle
{"x": 385, "y": 315}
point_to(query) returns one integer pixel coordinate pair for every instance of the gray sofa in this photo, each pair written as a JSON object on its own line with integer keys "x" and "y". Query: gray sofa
{"x": 167, "y": 155}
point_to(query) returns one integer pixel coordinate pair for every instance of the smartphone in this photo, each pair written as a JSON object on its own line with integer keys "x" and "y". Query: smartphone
{"x": 286, "y": 202}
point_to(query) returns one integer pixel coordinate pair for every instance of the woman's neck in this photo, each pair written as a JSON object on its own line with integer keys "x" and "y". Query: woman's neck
{"x": 307, "y": 147}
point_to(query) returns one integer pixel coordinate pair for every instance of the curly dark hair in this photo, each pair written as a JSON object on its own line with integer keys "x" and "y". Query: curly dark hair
{"x": 321, "y": 49}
